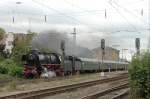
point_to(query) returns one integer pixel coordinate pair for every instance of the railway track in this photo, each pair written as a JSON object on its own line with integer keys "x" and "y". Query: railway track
{"x": 97, "y": 95}
{"x": 18, "y": 81}
{"x": 35, "y": 94}
{"x": 121, "y": 95}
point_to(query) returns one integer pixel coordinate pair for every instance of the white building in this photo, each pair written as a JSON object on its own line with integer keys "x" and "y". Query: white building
{"x": 9, "y": 43}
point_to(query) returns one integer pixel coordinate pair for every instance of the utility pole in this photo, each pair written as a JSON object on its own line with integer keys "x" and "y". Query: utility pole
{"x": 115, "y": 46}
{"x": 62, "y": 46}
{"x": 122, "y": 54}
{"x": 74, "y": 36}
{"x": 74, "y": 49}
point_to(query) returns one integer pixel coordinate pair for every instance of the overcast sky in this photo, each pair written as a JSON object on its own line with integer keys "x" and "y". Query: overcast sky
{"x": 118, "y": 21}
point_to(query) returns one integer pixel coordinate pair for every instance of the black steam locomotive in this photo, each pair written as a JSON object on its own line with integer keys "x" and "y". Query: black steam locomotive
{"x": 35, "y": 62}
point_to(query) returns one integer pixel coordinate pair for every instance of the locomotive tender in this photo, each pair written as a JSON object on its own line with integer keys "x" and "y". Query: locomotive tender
{"x": 35, "y": 63}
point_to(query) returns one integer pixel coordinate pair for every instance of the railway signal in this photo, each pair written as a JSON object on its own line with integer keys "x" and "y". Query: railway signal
{"x": 137, "y": 45}
{"x": 102, "y": 44}
{"x": 103, "y": 53}
{"x": 103, "y": 47}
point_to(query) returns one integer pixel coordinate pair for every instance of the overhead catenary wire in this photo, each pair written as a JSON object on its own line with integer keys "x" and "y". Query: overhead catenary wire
{"x": 110, "y": 2}
{"x": 79, "y": 13}
{"x": 133, "y": 3}
{"x": 86, "y": 11}
{"x": 83, "y": 10}
{"x": 61, "y": 13}
{"x": 104, "y": 11}
{"x": 49, "y": 15}
{"x": 128, "y": 11}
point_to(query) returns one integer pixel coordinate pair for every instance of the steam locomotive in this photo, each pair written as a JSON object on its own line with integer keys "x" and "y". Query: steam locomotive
{"x": 38, "y": 63}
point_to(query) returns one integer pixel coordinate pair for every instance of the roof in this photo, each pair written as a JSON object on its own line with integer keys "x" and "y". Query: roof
{"x": 106, "y": 48}
{"x": 105, "y": 61}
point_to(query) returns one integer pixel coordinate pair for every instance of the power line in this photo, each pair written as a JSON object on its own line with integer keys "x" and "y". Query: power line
{"x": 142, "y": 20}
{"x": 110, "y": 2}
{"x": 133, "y": 2}
{"x": 57, "y": 11}
{"x": 104, "y": 10}
{"x": 80, "y": 13}
{"x": 83, "y": 10}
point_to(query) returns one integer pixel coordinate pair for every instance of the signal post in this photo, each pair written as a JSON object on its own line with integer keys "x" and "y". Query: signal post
{"x": 103, "y": 54}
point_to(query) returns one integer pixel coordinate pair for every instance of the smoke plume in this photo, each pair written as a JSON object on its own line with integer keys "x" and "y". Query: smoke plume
{"x": 51, "y": 40}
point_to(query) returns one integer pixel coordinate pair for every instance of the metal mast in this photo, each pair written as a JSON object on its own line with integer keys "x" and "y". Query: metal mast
{"x": 74, "y": 49}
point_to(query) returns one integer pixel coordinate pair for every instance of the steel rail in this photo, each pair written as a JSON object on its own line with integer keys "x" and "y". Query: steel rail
{"x": 106, "y": 91}
{"x": 34, "y": 94}
{"x": 122, "y": 94}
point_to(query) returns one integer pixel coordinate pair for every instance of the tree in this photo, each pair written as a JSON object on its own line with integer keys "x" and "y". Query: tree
{"x": 22, "y": 46}
{"x": 140, "y": 76}
{"x": 2, "y": 33}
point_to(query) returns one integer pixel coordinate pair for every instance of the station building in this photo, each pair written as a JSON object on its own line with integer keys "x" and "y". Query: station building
{"x": 110, "y": 54}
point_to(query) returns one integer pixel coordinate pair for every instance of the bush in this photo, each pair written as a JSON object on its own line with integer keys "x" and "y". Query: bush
{"x": 16, "y": 71}
{"x": 21, "y": 46}
{"x": 3, "y": 70}
{"x": 140, "y": 75}
{"x": 10, "y": 67}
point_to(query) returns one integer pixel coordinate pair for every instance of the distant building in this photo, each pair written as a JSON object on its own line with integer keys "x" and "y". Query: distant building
{"x": 7, "y": 44}
{"x": 110, "y": 53}
{"x": 20, "y": 36}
